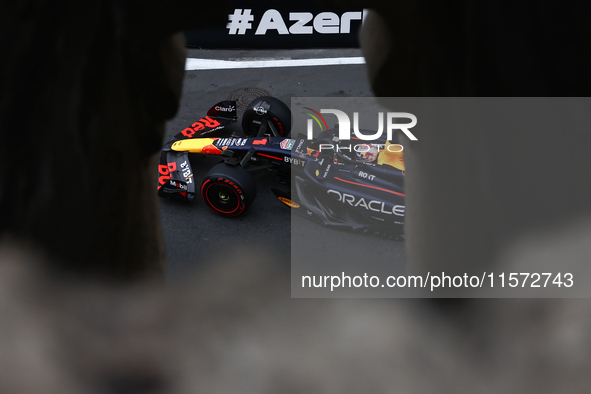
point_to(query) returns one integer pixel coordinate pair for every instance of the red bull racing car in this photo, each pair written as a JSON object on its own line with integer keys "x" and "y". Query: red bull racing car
{"x": 347, "y": 184}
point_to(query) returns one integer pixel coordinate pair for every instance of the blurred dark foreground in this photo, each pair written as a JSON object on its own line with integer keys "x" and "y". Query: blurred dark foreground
{"x": 236, "y": 329}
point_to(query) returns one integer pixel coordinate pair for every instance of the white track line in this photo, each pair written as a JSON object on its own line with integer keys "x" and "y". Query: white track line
{"x": 212, "y": 64}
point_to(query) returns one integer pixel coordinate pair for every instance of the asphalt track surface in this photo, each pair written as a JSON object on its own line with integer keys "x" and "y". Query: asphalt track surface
{"x": 194, "y": 235}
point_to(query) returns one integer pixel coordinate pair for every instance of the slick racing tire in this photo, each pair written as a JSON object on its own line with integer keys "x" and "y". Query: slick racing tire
{"x": 278, "y": 113}
{"x": 228, "y": 190}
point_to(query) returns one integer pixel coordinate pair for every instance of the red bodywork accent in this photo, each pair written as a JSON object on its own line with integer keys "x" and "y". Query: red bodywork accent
{"x": 165, "y": 171}
{"x": 201, "y": 124}
{"x": 162, "y": 169}
{"x": 188, "y": 132}
{"x": 211, "y": 149}
{"x": 272, "y": 157}
{"x": 209, "y": 122}
{"x": 259, "y": 142}
{"x": 197, "y": 126}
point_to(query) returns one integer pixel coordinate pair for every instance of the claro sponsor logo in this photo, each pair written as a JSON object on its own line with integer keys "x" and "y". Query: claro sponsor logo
{"x": 373, "y": 205}
{"x": 225, "y": 109}
{"x": 297, "y": 22}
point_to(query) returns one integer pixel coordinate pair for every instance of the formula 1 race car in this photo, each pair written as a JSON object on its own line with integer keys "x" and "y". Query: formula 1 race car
{"x": 344, "y": 184}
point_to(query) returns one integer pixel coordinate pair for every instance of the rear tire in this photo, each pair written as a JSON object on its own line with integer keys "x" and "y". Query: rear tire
{"x": 278, "y": 113}
{"x": 228, "y": 190}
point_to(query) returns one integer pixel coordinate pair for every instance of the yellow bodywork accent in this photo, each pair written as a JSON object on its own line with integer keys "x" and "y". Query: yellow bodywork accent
{"x": 289, "y": 202}
{"x": 194, "y": 145}
{"x": 394, "y": 159}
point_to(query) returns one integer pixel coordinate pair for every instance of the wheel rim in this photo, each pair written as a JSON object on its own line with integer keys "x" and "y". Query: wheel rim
{"x": 222, "y": 198}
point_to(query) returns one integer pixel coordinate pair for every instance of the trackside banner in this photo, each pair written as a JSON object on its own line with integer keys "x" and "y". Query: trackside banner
{"x": 254, "y": 24}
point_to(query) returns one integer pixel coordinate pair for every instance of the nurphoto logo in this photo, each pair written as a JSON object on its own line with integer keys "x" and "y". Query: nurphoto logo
{"x": 345, "y": 124}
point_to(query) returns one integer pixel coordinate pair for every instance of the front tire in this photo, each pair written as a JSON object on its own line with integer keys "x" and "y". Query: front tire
{"x": 228, "y": 190}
